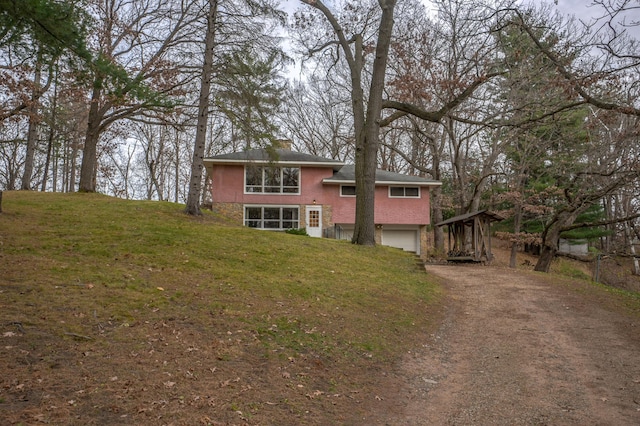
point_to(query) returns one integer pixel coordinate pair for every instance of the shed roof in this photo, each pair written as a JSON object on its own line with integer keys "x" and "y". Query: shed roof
{"x": 464, "y": 218}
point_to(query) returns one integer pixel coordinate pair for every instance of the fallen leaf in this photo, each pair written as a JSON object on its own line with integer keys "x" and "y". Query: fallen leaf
{"x": 160, "y": 288}
{"x": 315, "y": 394}
{"x": 169, "y": 384}
{"x": 41, "y": 418}
{"x": 8, "y": 334}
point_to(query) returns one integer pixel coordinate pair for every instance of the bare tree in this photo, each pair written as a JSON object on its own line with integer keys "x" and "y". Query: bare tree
{"x": 195, "y": 183}
{"x": 134, "y": 73}
{"x": 442, "y": 76}
{"x": 366, "y": 112}
{"x": 317, "y": 117}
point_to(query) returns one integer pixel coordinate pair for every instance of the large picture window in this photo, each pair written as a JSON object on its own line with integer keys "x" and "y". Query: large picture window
{"x": 271, "y": 217}
{"x": 404, "y": 192}
{"x": 272, "y": 180}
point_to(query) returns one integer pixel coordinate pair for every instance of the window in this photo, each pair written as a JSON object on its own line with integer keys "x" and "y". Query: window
{"x": 271, "y": 217}
{"x": 404, "y": 192}
{"x": 348, "y": 190}
{"x": 272, "y": 180}
{"x": 314, "y": 219}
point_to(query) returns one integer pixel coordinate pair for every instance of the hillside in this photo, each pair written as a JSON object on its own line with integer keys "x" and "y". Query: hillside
{"x": 122, "y": 312}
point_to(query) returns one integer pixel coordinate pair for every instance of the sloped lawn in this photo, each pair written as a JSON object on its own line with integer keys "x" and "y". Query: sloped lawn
{"x": 129, "y": 312}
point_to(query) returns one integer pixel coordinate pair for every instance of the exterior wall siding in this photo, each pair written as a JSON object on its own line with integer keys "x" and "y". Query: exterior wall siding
{"x": 401, "y": 211}
{"x": 227, "y": 186}
{"x": 228, "y": 197}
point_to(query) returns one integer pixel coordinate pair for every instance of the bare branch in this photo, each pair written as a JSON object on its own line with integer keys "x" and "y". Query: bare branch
{"x": 570, "y": 77}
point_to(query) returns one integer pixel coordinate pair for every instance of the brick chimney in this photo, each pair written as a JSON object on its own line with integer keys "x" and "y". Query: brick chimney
{"x": 284, "y": 144}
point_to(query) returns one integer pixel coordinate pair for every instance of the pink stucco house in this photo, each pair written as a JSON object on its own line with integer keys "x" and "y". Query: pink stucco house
{"x": 289, "y": 189}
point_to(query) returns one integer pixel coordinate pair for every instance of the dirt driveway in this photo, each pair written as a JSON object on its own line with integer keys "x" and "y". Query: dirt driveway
{"x": 517, "y": 349}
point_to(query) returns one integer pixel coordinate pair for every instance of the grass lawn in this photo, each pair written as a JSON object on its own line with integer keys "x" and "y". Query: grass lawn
{"x": 131, "y": 312}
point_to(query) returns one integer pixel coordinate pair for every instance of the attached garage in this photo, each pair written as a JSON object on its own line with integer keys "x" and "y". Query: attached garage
{"x": 406, "y": 239}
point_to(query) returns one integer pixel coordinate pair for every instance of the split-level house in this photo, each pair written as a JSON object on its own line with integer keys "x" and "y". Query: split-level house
{"x": 284, "y": 189}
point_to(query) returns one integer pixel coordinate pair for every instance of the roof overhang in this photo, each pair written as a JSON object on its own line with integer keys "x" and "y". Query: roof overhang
{"x": 216, "y": 161}
{"x": 329, "y": 181}
{"x": 212, "y": 161}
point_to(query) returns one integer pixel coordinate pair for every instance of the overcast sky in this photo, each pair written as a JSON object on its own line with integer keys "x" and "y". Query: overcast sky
{"x": 581, "y": 9}
{"x": 585, "y": 11}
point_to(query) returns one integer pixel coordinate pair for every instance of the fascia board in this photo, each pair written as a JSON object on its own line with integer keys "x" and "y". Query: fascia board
{"x": 382, "y": 183}
{"x": 280, "y": 163}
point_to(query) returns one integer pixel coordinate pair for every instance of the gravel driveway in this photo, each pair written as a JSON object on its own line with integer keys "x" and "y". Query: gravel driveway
{"x": 517, "y": 349}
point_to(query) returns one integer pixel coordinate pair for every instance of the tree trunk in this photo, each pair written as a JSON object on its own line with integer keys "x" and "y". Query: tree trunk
{"x": 32, "y": 132}
{"x": 365, "y": 203}
{"x": 632, "y": 249}
{"x": 547, "y": 254}
{"x": 51, "y": 138}
{"x": 366, "y": 128}
{"x": 72, "y": 166}
{"x": 607, "y": 204}
{"x": 54, "y": 169}
{"x": 176, "y": 170}
{"x": 437, "y": 214}
{"x": 48, "y": 159}
{"x": 89, "y": 153}
{"x": 551, "y": 238}
{"x": 359, "y": 123}
{"x": 195, "y": 183}
{"x": 517, "y": 219}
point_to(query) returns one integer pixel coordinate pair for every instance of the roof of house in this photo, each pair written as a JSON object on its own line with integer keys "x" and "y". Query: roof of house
{"x": 280, "y": 156}
{"x": 343, "y": 174}
{"x": 347, "y": 174}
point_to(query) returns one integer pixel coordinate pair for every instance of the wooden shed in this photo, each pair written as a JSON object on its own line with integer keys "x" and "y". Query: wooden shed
{"x": 470, "y": 236}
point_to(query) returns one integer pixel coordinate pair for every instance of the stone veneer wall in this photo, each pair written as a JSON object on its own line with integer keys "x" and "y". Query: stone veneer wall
{"x": 327, "y": 218}
{"x": 426, "y": 241}
{"x": 378, "y": 234}
{"x": 233, "y": 211}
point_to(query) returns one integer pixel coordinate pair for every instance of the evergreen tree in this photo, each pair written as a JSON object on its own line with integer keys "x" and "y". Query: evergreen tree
{"x": 250, "y": 94}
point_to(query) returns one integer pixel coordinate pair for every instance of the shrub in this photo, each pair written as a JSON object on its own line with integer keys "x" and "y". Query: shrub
{"x": 299, "y": 231}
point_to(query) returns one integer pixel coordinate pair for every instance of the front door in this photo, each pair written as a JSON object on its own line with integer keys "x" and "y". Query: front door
{"x": 314, "y": 221}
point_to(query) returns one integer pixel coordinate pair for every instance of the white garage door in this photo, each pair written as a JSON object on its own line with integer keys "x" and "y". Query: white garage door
{"x": 406, "y": 239}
